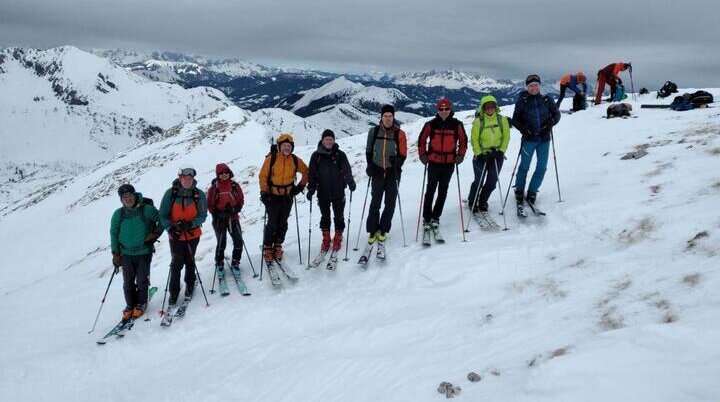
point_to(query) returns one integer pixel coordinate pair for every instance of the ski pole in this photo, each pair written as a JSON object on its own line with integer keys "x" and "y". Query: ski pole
{"x": 309, "y": 232}
{"x": 167, "y": 285}
{"x": 477, "y": 193}
{"x": 557, "y": 175}
{"x": 102, "y": 302}
{"x": 223, "y": 236}
{"x": 632, "y": 85}
{"x": 347, "y": 240}
{"x": 512, "y": 176}
{"x": 422, "y": 197}
{"x": 497, "y": 177}
{"x": 262, "y": 265}
{"x": 462, "y": 219}
{"x": 402, "y": 220}
{"x": 297, "y": 227}
{"x": 197, "y": 272}
{"x": 357, "y": 242}
{"x": 255, "y": 275}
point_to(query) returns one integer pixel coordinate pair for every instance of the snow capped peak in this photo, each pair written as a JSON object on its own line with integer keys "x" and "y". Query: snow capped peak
{"x": 451, "y": 79}
{"x": 342, "y": 90}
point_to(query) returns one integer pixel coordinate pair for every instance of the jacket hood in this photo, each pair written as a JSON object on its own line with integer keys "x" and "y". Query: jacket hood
{"x": 484, "y": 100}
{"x": 221, "y": 167}
{"x": 323, "y": 150}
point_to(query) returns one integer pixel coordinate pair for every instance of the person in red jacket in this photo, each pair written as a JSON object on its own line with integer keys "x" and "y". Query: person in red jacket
{"x": 610, "y": 75}
{"x": 441, "y": 145}
{"x": 225, "y": 200}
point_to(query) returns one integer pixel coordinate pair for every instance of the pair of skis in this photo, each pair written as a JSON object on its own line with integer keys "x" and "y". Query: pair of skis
{"x": 275, "y": 267}
{"x": 522, "y": 213}
{"x": 379, "y": 255}
{"x": 332, "y": 262}
{"x": 432, "y": 232}
{"x": 239, "y": 282}
{"x": 124, "y": 326}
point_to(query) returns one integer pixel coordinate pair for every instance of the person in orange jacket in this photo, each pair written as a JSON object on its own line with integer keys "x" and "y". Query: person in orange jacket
{"x": 610, "y": 75}
{"x": 278, "y": 189}
{"x": 575, "y": 82}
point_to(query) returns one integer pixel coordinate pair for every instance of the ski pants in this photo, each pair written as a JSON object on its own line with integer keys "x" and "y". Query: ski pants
{"x": 136, "y": 279}
{"x": 338, "y": 210}
{"x": 438, "y": 176}
{"x": 484, "y": 169}
{"x": 278, "y": 212}
{"x": 384, "y": 184}
{"x": 542, "y": 149}
{"x": 183, "y": 255}
{"x": 222, "y": 227}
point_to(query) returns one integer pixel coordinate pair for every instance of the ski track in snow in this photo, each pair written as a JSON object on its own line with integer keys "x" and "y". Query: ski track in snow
{"x": 612, "y": 296}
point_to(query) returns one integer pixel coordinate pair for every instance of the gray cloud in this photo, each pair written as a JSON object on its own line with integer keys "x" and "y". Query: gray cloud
{"x": 505, "y": 39}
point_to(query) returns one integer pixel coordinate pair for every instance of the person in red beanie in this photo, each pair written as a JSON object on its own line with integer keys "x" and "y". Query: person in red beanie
{"x": 225, "y": 201}
{"x": 442, "y": 144}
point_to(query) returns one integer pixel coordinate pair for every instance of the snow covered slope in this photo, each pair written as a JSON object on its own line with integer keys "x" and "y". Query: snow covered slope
{"x": 612, "y": 296}
{"x": 64, "y": 110}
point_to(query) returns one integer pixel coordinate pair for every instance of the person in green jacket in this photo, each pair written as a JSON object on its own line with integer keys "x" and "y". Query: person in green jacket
{"x": 489, "y": 137}
{"x": 133, "y": 230}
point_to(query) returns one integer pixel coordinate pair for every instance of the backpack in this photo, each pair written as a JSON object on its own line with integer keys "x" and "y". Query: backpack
{"x": 619, "y": 94}
{"x": 499, "y": 122}
{"x": 668, "y": 88}
{"x": 618, "y": 110}
{"x": 273, "y": 158}
{"x": 174, "y": 194}
{"x": 701, "y": 98}
{"x": 375, "y": 137}
{"x": 644, "y": 91}
{"x": 682, "y": 103}
{"x": 146, "y": 221}
{"x": 579, "y": 102}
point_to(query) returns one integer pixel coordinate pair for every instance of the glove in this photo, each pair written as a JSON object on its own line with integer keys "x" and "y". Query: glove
{"x": 296, "y": 190}
{"x": 117, "y": 262}
{"x": 265, "y": 198}
{"x": 151, "y": 238}
{"x": 369, "y": 170}
{"x": 499, "y": 154}
{"x": 459, "y": 159}
{"x": 424, "y": 159}
{"x": 352, "y": 186}
{"x": 237, "y": 208}
{"x": 182, "y": 226}
{"x": 310, "y": 194}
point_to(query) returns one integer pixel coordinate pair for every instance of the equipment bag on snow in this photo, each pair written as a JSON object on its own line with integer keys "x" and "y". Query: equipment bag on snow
{"x": 619, "y": 110}
{"x": 579, "y": 102}
{"x": 701, "y": 98}
{"x": 667, "y": 89}
{"x": 682, "y": 103}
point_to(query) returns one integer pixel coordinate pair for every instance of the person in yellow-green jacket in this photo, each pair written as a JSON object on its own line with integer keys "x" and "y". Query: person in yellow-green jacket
{"x": 489, "y": 138}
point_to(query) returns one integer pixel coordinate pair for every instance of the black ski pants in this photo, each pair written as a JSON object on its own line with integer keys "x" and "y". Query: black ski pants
{"x": 222, "y": 227}
{"x": 136, "y": 278}
{"x": 337, "y": 205}
{"x": 183, "y": 255}
{"x": 438, "y": 177}
{"x": 384, "y": 185}
{"x": 276, "y": 227}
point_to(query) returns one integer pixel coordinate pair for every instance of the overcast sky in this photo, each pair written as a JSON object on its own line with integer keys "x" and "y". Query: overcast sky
{"x": 676, "y": 40}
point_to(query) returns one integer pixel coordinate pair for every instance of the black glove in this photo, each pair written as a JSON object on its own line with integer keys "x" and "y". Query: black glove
{"x": 117, "y": 262}
{"x": 296, "y": 189}
{"x": 265, "y": 198}
{"x": 499, "y": 154}
{"x": 459, "y": 159}
{"x": 310, "y": 194}
{"x": 237, "y": 208}
{"x": 352, "y": 186}
{"x": 369, "y": 170}
{"x": 183, "y": 226}
{"x": 424, "y": 159}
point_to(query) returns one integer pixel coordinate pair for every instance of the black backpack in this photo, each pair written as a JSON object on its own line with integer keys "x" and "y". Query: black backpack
{"x": 146, "y": 201}
{"x": 701, "y": 98}
{"x": 667, "y": 89}
{"x": 579, "y": 102}
{"x": 619, "y": 110}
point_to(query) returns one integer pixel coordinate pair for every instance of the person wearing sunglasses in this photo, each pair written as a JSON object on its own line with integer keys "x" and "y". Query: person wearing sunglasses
{"x": 225, "y": 201}
{"x": 442, "y": 144}
{"x": 183, "y": 210}
{"x": 534, "y": 116}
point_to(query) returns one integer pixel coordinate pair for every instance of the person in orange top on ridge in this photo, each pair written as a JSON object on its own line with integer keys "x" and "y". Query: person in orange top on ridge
{"x": 610, "y": 75}
{"x": 278, "y": 189}
{"x": 575, "y": 82}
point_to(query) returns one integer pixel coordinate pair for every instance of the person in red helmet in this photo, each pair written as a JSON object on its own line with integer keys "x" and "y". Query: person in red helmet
{"x": 610, "y": 75}
{"x": 442, "y": 144}
{"x": 225, "y": 200}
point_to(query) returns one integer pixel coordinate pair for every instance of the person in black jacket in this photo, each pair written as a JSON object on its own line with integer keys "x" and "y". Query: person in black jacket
{"x": 329, "y": 174}
{"x": 535, "y": 115}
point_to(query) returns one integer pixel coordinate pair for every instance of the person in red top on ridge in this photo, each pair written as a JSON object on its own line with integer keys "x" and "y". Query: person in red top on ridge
{"x": 441, "y": 145}
{"x": 610, "y": 75}
{"x": 225, "y": 200}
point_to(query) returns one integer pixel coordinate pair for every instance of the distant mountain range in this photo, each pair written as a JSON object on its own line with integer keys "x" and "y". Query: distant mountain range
{"x": 254, "y": 87}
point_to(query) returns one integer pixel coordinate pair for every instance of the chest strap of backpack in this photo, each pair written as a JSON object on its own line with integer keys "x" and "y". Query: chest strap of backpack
{"x": 443, "y": 153}
{"x": 286, "y": 188}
